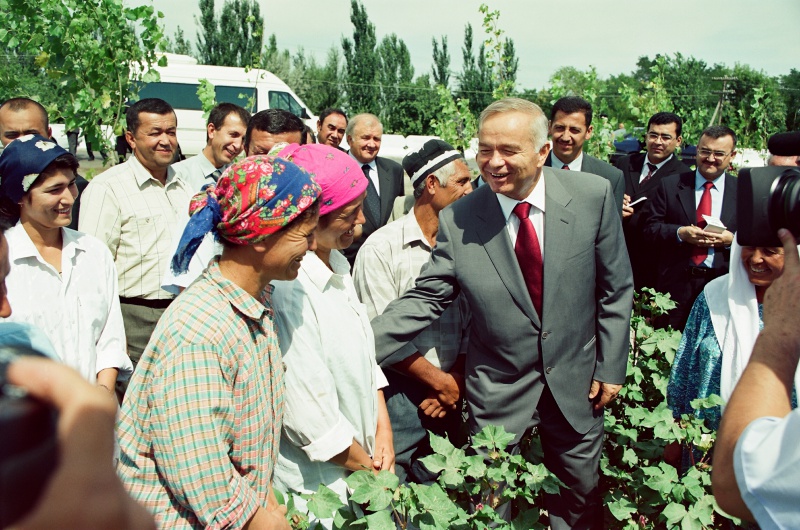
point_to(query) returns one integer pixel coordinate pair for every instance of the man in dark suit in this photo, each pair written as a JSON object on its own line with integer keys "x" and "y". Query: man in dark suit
{"x": 364, "y": 132}
{"x": 570, "y": 127}
{"x": 642, "y": 173}
{"x": 539, "y": 254}
{"x": 21, "y": 116}
{"x": 691, "y": 254}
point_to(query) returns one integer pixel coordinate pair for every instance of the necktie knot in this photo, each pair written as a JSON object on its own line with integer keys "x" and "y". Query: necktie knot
{"x": 522, "y": 210}
{"x": 652, "y": 167}
{"x": 565, "y": 166}
{"x": 365, "y": 169}
{"x": 708, "y": 185}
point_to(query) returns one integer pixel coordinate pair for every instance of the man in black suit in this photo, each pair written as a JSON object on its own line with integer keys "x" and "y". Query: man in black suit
{"x": 691, "y": 254}
{"x": 642, "y": 173}
{"x": 570, "y": 127}
{"x": 21, "y": 116}
{"x": 364, "y": 132}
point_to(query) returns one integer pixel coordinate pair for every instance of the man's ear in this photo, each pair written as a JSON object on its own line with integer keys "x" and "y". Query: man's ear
{"x": 130, "y": 139}
{"x": 210, "y": 130}
{"x": 589, "y": 131}
{"x": 431, "y": 183}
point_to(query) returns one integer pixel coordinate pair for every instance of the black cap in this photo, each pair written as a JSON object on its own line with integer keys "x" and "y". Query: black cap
{"x": 433, "y": 155}
{"x": 784, "y": 144}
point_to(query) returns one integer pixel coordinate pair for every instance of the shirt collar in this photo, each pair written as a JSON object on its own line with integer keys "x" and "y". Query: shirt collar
{"x": 206, "y": 166}
{"x": 658, "y": 166}
{"x": 411, "y": 230}
{"x": 575, "y": 165}
{"x": 142, "y": 175}
{"x": 536, "y": 198}
{"x": 23, "y": 247}
{"x": 320, "y": 274}
{"x": 699, "y": 180}
{"x": 238, "y": 297}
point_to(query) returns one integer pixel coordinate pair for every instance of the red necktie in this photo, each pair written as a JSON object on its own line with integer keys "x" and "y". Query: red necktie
{"x": 529, "y": 255}
{"x": 699, "y": 254}
{"x": 651, "y": 169}
{"x": 565, "y": 167}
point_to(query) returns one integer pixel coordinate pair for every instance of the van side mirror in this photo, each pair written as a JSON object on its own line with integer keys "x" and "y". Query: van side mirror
{"x": 304, "y": 115}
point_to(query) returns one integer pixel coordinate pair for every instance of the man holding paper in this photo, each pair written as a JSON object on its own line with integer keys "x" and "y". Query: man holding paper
{"x": 691, "y": 220}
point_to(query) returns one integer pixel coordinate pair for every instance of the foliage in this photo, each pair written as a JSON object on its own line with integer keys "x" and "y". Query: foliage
{"x": 317, "y": 84}
{"x": 641, "y": 490}
{"x": 465, "y": 495}
{"x": 395, "y": 75}
{"x": 475, "y": 80}
{"x": 94, "y": 50}
{"x": 455, "y": 123}
{"x": 180, "y": 46}
{"x": 235, "y": 38}
{"x": 361, "y": 62}
{"x": 441, "y": 62}
{"x": 500, "y": 55}
{"x": 207, "y": 96}
{"x": 790, "y": 87}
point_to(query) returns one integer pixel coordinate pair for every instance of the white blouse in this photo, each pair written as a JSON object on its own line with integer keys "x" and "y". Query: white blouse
{"x": 332, "y": 378}
{"x": 78, "y": 310}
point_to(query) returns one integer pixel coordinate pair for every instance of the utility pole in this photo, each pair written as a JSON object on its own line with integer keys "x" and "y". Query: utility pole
{"x": 717, "y": 116}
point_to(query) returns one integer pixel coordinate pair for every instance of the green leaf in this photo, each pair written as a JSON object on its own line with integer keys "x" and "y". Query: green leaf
{"x": 380, "y": 521}
{"x": 434, "y": 502}
{"x": 324, "y": 502}
{"x": 492, "y": 437}
{"x": 378, "y": 490}
{"x": 629, "y": 457}
{"x": 622, "y": 509}
{"x": 674, "y": 513}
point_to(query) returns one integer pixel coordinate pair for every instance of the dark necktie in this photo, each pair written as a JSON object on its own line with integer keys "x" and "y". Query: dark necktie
{"x": 373, "y": 202}
{"x": 529, "y": 256}
{"x": 699, "y": 254}
{"x": 651, "y": 169}
{"x": 216, "y": 174}
{"x": 565, "y": 166}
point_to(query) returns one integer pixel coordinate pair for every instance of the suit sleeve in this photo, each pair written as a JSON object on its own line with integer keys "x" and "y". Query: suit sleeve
{"x": 614, "y": 286}
{"x": 619, "y": 190}
{"x": 435, "y": 289}
{"x": 655, "y": 226}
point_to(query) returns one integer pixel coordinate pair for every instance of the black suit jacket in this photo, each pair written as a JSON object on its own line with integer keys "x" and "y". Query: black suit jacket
{"x": 595, "y": 166}
{"x": 81, "y": 184}
{"x": 644, "y": 261}
{"x": 672, "y": 206}
{"x": 390, "y": 179}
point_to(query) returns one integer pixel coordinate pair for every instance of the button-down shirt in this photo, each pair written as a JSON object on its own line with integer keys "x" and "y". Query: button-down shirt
{"x": 646, "y": 168}
{"x": 537, "y": 199}
{"x": 77, "y": 309}
{"x": 575, "y": 165}
{"x": 332, "y": 379}
{"x": 717, "y": 192}
{"x": 196, "y": 172}
{"x": 135, "y": 216}
{"x": 199, "y": 427}
{"x": 387, "y": 266}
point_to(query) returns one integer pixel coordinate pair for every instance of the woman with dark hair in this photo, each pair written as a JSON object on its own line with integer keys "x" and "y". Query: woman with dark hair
{"x": 61, "y": 280}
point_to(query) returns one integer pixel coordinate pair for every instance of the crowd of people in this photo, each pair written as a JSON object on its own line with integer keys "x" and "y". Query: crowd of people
{"x": 275, "y": 321}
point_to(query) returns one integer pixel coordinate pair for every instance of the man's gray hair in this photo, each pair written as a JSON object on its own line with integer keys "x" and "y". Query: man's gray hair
{"x": 359, "y": 118}
{"x": 538, "y": 122}
{"x": 443, "y": 174}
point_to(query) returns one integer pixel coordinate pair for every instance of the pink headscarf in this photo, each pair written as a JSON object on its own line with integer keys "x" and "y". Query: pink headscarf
{"x": 336, "y": 172}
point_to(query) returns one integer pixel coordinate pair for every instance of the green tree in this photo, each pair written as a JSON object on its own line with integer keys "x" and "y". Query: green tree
{"x": 441, "y": 62}
{"x": 235, "y": 38}
{"x": 96, "y": 50}
{"x": 790, "y": 88}
{"x": 180, "y": 45}
{"x": 395, "y": 75}
{"x": 475, "y": 80}
{"x": 361, "y": 63}
{"x": 416, "y": 108}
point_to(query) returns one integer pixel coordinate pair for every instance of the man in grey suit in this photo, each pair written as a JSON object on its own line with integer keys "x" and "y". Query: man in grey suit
{"x": 550, "y": 323}
{"x": 364, "y": 133}
{"x": 570, "y": 127}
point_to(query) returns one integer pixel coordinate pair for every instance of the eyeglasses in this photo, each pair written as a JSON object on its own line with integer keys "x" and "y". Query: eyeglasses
{"x": 706, "y": 153}
{"x": 655, "y": 136}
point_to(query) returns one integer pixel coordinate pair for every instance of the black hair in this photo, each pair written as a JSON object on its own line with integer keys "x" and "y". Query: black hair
{"x": 571, "y": 105}
{"x": 331, "y": 110}
{"x": 150, "y": 105}
{"x": 220, "y": 113}
{"x": 18, "y": 104}
{"x": 718, "y": 131}
{"x": 665, "y": 118}
{"x": 273, "y": 121}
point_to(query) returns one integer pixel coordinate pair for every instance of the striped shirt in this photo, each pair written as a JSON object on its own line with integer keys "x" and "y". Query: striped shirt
{"x": 135, "y": 216}
{"x": 200, "y": 425}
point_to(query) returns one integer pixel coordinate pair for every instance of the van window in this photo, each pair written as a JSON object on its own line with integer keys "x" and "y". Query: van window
{"x": 183, "y": 96}
{"x": 285, "y": 101}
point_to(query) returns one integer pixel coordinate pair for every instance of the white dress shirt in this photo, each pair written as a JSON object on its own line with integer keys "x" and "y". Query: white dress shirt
{"x": 536, "y": 198}
{"x": 766, "y": 462}
{"x": 717, "y": 192}
{"x": 196, "y": 172}
{"x": 575, "y": 165}
{"x": 78, "y": 310}
{"x": 332, "y": 379}
{"x": 646, "y": 169}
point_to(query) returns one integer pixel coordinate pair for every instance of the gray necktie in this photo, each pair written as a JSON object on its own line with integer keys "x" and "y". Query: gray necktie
{"x": 372, "y": 203}
{"x": 216, "y": 174}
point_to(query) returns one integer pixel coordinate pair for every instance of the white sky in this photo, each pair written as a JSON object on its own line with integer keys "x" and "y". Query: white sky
{"x": 611, "y": 36}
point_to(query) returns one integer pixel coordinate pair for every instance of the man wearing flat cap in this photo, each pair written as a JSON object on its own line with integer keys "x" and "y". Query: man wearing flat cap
{"x": 784, "y": 149}
{"x": 426, "y": 385}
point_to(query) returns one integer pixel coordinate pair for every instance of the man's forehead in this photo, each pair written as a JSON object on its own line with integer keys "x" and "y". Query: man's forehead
{"x": 29, "y": 119}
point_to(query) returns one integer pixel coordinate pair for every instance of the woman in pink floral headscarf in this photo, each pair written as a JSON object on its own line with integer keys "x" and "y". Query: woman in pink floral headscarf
{"x": 336, "y": 420}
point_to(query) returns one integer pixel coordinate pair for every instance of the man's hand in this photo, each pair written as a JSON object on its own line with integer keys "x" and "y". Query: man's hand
{"x": 384, "y": 451}
{"x": 602, "y": 393}
{"x": 627, "y": 209}
{"x": 725, "y": 239}
{"x": 693, "y": 235}
{"x": 446, "y": 396}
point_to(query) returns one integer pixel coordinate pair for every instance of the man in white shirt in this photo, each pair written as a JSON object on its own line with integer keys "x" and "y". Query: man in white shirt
{"x": 425, "y": 388}
{"x": 757, "y": 459}
{"x": 227, "y": 124}
{"x": 134, "y": 209}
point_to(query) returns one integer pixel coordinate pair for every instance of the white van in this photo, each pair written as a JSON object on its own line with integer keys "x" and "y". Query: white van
{"x": 254, "y": 89}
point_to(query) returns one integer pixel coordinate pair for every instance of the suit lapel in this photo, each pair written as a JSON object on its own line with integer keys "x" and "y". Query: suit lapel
{"x": 549, "y": 161}
{"x": 559, "y": 223}
{"x": 728, "y": 201}
{"x": 386, "y": 184}
{"x": 635, "y": 163}
{"x": 491, "y": 230}
{"x": 686, "y": 196}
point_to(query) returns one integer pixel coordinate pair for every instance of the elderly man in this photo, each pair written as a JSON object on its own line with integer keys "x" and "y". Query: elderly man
{"x": 331, "y": 126}
{"x": 134, "y": 208}
{"x": 784, "y": 149}
{"x": 225, "y": 130}
{"x": 424, "y": 388}
{"x": 272, "y": 126}
{"x": 540, "y": 257}
{"x": 364, "y": 133}
{"x": 21, "y": 116}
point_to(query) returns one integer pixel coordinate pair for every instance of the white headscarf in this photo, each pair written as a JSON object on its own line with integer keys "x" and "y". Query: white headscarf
{"x": 734, "y": 315}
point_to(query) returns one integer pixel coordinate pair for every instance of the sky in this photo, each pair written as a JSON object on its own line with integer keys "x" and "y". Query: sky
{"x": 547, "y": 35}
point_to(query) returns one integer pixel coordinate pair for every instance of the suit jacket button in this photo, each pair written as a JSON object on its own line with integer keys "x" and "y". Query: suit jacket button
{"x": 549, "y": 369}
{"x": 544, "y": 335}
